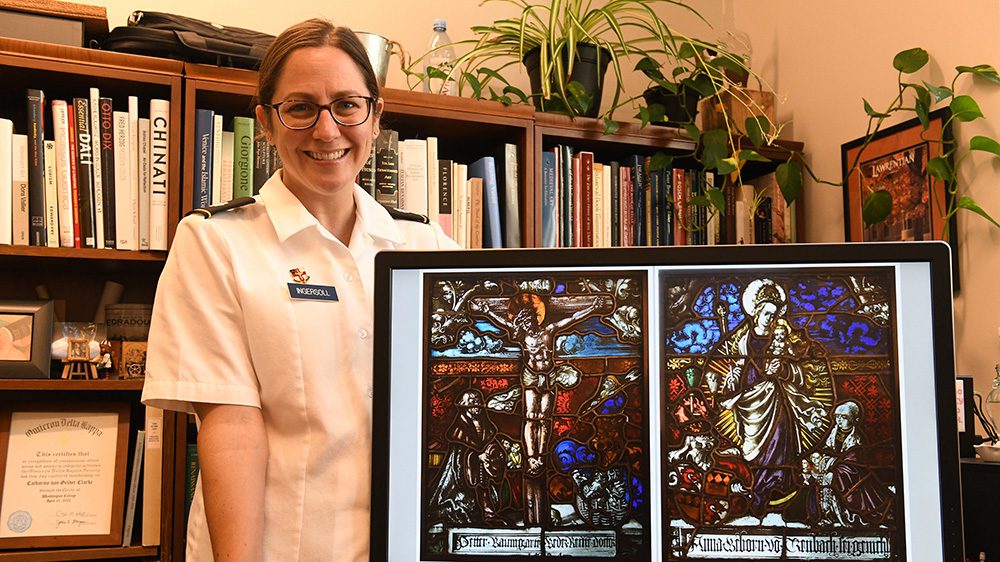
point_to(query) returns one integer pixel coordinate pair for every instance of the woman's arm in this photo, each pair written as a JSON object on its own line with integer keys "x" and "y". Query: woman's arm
{"x": 232, "y": 454}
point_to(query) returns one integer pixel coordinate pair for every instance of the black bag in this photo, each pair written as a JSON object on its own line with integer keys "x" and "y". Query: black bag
{"x": 158, "y": 34}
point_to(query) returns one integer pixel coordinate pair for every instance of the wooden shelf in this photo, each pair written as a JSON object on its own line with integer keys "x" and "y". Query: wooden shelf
{"x": 134, "y": 385}
{"x": 107, "y": 553}
{"x": 82, "y": 254}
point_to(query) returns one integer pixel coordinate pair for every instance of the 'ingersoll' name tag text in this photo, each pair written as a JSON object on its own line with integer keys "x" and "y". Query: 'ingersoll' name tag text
{"x": 312, "y": 292}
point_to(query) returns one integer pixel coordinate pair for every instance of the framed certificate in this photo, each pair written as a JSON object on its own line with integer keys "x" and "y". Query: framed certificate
{"x": 764, "y": 403}
{"x": 63, "y": 473}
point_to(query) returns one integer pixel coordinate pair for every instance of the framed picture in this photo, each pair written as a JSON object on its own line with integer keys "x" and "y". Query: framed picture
{"x": 895, "y": 160}
{"x": 63, "y": 473}
{"x": 715, "y": 403}
{"x": 25, "y": 339}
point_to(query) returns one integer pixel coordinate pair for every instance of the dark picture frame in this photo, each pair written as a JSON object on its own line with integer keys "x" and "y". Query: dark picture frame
{"x": 25, "y": 339}
{"x": 407, "y": 474}
{"x": 895, "y": 159}
{"x": 36, "y": 500}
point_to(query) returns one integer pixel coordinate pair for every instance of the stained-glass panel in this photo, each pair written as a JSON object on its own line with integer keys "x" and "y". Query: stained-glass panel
{"x": 780, "y": 420}
{"x": 536, "y": 434}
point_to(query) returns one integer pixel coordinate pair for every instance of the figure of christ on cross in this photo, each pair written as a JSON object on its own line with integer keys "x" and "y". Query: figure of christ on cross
{"x": 525, "y": 323}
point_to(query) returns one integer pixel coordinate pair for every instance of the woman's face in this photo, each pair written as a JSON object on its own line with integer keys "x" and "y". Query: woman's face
{"x": 327, "y": 157}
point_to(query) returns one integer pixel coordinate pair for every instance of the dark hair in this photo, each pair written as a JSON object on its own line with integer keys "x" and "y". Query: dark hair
{"x": 314, "y": 32}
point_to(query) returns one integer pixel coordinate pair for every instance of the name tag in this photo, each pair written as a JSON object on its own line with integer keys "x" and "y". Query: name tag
{"x": 312, "y": 292}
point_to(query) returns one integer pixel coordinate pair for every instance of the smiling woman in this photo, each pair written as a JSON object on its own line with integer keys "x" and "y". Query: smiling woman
{"x": 263, "y": 318}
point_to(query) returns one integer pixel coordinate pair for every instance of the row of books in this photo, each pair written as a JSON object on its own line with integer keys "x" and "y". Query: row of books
{"x": 632, "y": 203}
{"x": 94, "y": 178}
{"x": 475, "y": 203}
{"x": 232, "y": 158}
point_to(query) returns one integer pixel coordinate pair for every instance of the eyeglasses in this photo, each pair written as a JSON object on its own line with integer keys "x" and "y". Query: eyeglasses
{"x": 350, "y": 111}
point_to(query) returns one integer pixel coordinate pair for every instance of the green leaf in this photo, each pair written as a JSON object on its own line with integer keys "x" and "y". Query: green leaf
{"x": 752, "y": 156}
{"x": 579, "y": 100}
{"x": 985, "y": 144}
{"x": 967, "y": 203}
{"x": 693, "y": 131}
{"x": 923, "y": 111}
{"x": 964, "y": 108}
{"x": 643, "y": 116}
{"x": 940, "y": 92}
{"x": 756, "y": 128}
{"x": 715, "y": 147}
{"x": 876, "y": 207}
{"x": 686, "y": 51}
{"x": 646, "y": 64}
{"x": 702, "y": 84}
{"x": 727, "y": 165}
{"x": 940, "y": 168}
{"x": 521, "y": 96}
{"x": 477, "y": 86}
{"x": 610, "y": 126}
{"x": 718, "y": 199}
{"x": 982, "y": 70}
{"x": 871, "y": 111}
{"x": 435, "y": 72}
{"x": 910, "y": 60}
{"x": 657, "y": 113}
{"x": 789, "y": 177}
{"x": 660, "y": 160}
{"x": 700, "y": 201}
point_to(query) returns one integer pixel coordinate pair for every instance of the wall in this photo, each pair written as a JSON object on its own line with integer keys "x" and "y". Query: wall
{"x": 822, "y": 58}
{"x": 825, "y": 57}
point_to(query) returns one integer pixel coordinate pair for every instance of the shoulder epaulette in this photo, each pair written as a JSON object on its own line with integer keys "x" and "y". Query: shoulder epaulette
{"x": 207, "y": 212}
{"x": 406, "y": 216}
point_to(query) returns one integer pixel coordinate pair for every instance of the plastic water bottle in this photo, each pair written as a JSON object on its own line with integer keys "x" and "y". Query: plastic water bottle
{"x": 443, "y": 58}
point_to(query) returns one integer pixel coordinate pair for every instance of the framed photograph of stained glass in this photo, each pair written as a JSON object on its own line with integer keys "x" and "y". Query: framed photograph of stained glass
{"x": 715, "y": 403}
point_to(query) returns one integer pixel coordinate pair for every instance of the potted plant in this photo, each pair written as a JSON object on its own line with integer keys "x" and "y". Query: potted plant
{"x": 919, "y": 100}
{"x": 555, "y": 38}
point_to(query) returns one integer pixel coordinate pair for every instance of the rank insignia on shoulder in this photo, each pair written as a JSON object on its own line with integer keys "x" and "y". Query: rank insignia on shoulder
{"x": 207, "y": 212}
{"x": 406, "y": 216}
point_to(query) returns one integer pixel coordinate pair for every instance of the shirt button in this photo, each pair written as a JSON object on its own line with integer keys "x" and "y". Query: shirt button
{"x": 362, "y": 333}
{"x": 348, "y": 277}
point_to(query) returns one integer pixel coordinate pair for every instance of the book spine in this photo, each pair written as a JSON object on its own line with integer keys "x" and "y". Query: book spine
{"x": 667, "y": 178}
{"x": 549, "y": 225}
{"x": 144, "y": 194}
{"x": 215, "y": 189}
{"x": 578, "y": 223}
{"x": 616, "y": 204}
{"x": 433, "y": 183}
{"x": 566, "y": 181}
{"x": 413, "y": 176}
{"x": 512, "y": 206}
{"x": 445, "y": 197}
{"x": 459, "y": 206}
{"x": 36, "y": 167}
{"x": 152, "y": 491}
{"x": 203, "y": 131}
{"x": 191, "y": 469}
{"x": 85, "y": 172}
{"x": 123, "y": 181}
{"x": 728, "y": 228}
{"x": 109, "y": 166}
{"x": 476, "y": 212}
{"x": 366, "y": 177}
{"x": 128, "y": 523}
{"x": 51, "y": 194}
{"x": 74, "y": 182}
{"x": 599, "y": 213}
{"x": 94, "y": 106}
{"x": 587, "y": 199}
{"x": 159, "y": 160}
{"x": 132, "y": 145}
{"x": 638, "y": 165}
{"x": 680, "y": 207}
{"x": 226, "y": 154}
{"x": 243, "y": 161}
{"x": 19, "y": 188}
{"x": 485, "y": 169}
{"x": 6, "y": 181}
{"x": 387, "y": 168}
{"x": 64, "y": 190}
{"x": 627, "y": 210}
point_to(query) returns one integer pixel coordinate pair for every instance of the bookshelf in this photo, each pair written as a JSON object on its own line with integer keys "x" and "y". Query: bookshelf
{"x": 466, "y": 130}
{"x": 77, "y": 275}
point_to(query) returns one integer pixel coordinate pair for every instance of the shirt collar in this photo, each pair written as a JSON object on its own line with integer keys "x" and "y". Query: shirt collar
{"x": 289, "y": 216}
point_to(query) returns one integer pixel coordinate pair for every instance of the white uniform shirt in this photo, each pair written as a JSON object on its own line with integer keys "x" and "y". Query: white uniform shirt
{"x": 226, "y": 331}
